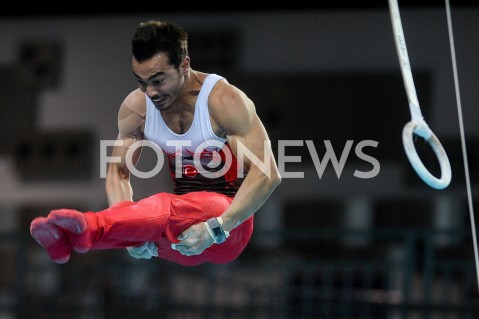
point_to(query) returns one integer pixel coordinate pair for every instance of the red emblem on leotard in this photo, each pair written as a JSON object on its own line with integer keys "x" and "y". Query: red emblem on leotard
{"x": 190, "y": 171}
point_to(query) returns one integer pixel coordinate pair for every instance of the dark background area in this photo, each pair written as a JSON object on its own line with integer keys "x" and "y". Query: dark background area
{"x": 91, "y": 8}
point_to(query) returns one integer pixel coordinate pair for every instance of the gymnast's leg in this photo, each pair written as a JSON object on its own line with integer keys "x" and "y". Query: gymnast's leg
{"x": 159, "y": 218}
{"x": 124, "y": 224}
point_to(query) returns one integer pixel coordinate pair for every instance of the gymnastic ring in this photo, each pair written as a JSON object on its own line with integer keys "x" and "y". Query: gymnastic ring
{"x": 416, "y": 162}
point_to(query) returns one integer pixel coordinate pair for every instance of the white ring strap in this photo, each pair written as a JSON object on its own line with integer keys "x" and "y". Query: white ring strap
{"x": 417, "y": 125}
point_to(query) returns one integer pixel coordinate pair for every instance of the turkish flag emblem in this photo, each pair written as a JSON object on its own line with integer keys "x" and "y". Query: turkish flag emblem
{"x": 190, "y": 171}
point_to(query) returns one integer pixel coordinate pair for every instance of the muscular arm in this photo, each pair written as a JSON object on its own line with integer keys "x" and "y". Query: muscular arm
{"x": 130, "y": 121}
{"x": 234, "y": 112}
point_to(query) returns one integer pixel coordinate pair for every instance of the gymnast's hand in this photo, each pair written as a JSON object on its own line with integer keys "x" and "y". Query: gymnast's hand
{"x": 194, "y": 240}
{"x": 145, "y": 251}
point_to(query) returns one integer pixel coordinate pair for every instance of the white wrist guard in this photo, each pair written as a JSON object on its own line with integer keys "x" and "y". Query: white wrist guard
{"x": 214, "y": 226}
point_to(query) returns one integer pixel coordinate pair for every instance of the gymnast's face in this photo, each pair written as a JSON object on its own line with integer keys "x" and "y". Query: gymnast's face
{"x": 159, "y": 79}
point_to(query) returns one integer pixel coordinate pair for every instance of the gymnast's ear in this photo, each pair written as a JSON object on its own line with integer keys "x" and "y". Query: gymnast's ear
{"x": 185, "y": 65}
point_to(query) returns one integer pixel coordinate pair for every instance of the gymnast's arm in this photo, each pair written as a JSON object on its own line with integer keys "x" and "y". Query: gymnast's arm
{"x": 131, "y": 118}
{"x": 235, "y": 113}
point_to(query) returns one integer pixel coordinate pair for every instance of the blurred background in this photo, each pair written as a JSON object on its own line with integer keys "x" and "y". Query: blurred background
{"x": 329, "y": 246}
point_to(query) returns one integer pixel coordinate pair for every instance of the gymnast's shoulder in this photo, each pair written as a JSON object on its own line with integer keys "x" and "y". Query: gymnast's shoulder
{"x": 135, "y": 102}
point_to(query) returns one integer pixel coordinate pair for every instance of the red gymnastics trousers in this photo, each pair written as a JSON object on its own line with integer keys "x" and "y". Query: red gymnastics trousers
{"x": 159, "y": 218}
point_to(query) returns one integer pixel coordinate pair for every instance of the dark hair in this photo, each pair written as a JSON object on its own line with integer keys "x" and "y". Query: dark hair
{"x": 153, "y": 37}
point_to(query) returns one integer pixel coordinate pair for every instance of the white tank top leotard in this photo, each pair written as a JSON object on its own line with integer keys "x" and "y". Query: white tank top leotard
{"x": 200, "y": 138}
